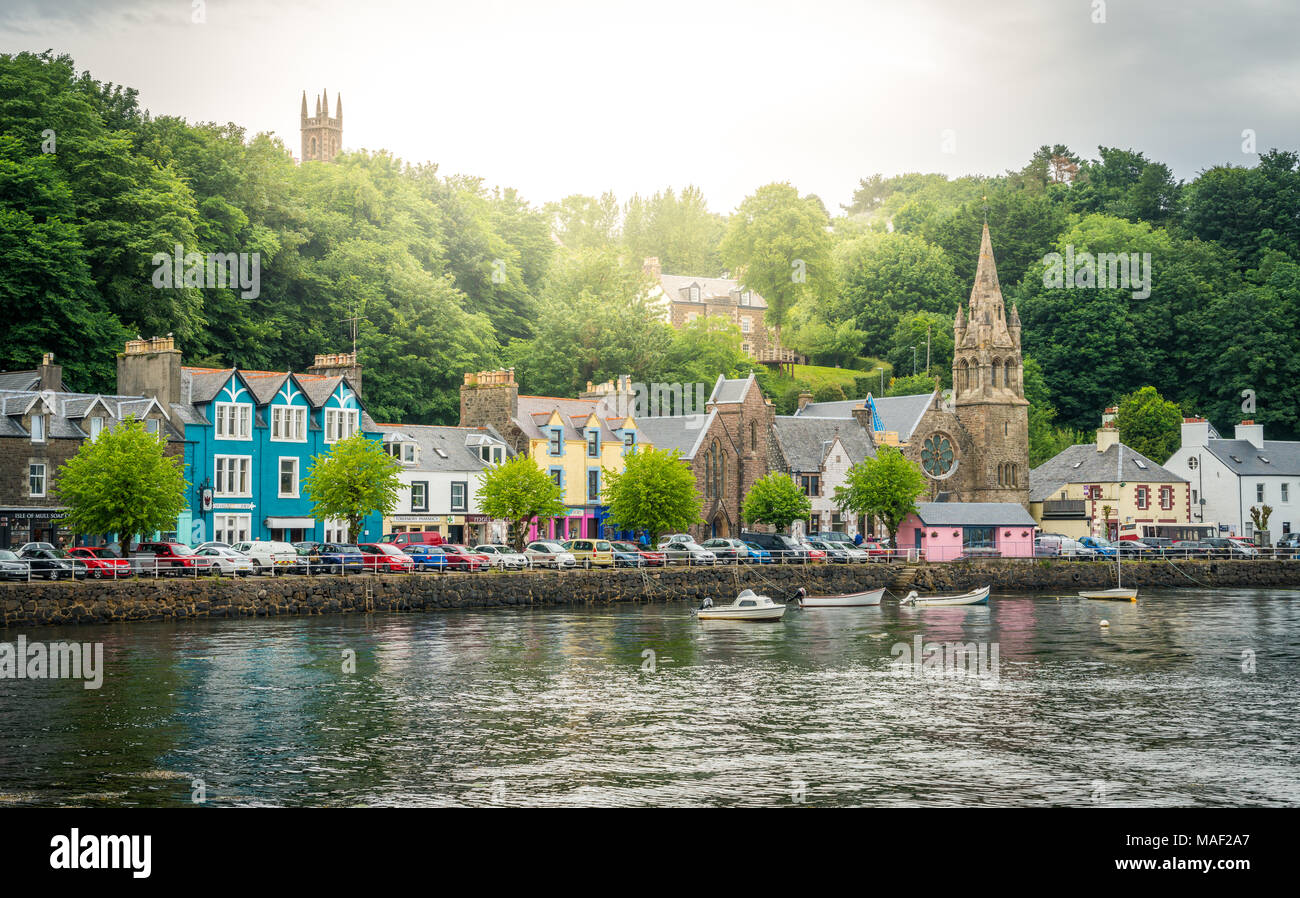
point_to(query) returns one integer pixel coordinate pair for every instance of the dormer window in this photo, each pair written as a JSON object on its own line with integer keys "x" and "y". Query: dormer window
{"x": 593, "y": 443}
{"x": 38, "y": 428}
{"x": 629, "y": 440}
{"x": 151, "y": 426}
{"x": 556, "y": 447}
{"x": 96, "y": 427}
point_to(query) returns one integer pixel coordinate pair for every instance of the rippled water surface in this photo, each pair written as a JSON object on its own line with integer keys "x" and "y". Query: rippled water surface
{"x": 568, "y": 707}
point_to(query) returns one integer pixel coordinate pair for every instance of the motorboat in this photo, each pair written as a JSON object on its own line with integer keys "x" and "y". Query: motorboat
{"x": 846, "y": 600}
{"x": 749, "y": 606}
{"x": 975, "y": 597}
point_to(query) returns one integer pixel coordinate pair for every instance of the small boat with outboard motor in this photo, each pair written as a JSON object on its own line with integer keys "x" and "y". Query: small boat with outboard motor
{"x": 748, "y": 606}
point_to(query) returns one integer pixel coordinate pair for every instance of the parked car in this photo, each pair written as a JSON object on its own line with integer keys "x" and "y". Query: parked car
{"x": 646, "y": 557}
{"x": 226, "y": 562}
{"x": 267, "y": 555}
{"x": 334, "y": 558}
{"x": 423, "y": 537}
{"x": 759, "y": 554}
{"x": 784, "y": 549}
{"x": 462, "y": 558}
{"x": 503, "y": 557}
{"x": 676, "y": 538}
{"x": 1099, "y": 546}
{"x": 212, "y": 544}
{"x": 876, "y": 549}
{"x": 837, "y": 551}
{"x": 101, "y": 563}
{"x": 728, "y": 550}
{"x": 1288, "y": 545}
{"x": 12, "y": 567}
{"x": 427, "y": 557}
{"x": 591, "y": 552}
{"x": 169, "y": 559}
{"x": 831, "y": 536}
{"x": 385, "y": 558}
{"x": 549, "y": 553}
{"x": 1193, "y": 548}
{"x": 687, "y": 553}
{"x": 1231, "y": 548}
{"x": 26, "y": 546}
{"x": 626, "y": 554}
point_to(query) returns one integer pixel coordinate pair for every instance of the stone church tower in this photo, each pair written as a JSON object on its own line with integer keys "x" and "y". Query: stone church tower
{"x": 322, "y": 136}
{"x": 989, "y": 390}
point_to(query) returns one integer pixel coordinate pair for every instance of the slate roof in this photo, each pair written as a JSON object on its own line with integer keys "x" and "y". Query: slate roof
{"x": 453, "y": 441}
{"x": 805, "y": 440}
{"x": 534, "y": 411}
{"x": 1283, "y": 457}
{"x": 710, "y": 288}
{"x": 897, "y": 413}
{"x": 69, "y": 410}
{"x": 731, "y": 390}
{"x": 19, "y": 380}
{"x": 974, "y": 514}
{"x": 1084, "y": 464}
{"x": 681, "y": 432}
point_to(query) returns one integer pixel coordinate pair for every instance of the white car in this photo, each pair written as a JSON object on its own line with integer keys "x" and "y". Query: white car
{"x": 227, "y": 562}
{"x": 268, "y": 554}
{"x": 681, "y": 552}
{"x": 502, "y": 557}
{"x": 549, "y": 553}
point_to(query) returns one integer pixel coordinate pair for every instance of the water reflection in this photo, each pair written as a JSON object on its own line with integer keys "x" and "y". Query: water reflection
{"x": 560, "y": 707}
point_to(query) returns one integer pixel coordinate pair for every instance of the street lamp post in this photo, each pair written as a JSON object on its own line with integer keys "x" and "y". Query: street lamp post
{"x": 881, "y": 369}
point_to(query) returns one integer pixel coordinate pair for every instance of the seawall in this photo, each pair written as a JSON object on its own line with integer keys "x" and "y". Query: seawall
{"x": 36, "y": 604}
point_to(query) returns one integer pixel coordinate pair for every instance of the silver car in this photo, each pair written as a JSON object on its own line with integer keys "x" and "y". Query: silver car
{"x": 503, "y": 557}
{"x": 226, "y": 562}
{"x": 549, "y": 553}
{"x": 678, "y": 552}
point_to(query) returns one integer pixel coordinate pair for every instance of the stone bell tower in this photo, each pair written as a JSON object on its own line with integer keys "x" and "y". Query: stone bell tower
{"x": 322, "y": 136}
{"x": 989, "y": 390}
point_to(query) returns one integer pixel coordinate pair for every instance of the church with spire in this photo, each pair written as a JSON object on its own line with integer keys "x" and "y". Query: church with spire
{"x": 322, "y": 135}
{"x": 972, "y": 444}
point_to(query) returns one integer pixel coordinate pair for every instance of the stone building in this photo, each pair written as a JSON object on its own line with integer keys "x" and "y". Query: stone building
{"x": 972, "y": 445}
{"x": 682, "y": 299}
{"x": 322, "y": 136}
{"x": 42, "y": 426}
{"x": 817, "y": 454}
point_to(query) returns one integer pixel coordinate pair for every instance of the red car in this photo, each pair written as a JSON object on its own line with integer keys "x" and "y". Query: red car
{"x": 386, "y": 558}
{"x": 460, "y": 558}
{"x": 100, "y": 562}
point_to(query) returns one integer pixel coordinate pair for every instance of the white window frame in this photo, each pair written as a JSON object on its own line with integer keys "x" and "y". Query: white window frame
{"x": 38, "y": 428}
{"x": 338, "y": 419}
{"x": 96, "y": 427}
{"x": 335, "y": 531}
{"x": 463, "y": 505}
{"x": 288, "y": 424}
{"x": 232, "y": 528}
{"x": 243, "y": 471}
{"x": 32, "y": 475}
{"x": 1286, "y": 492}
{"x": 423, "y": 504}
{"x": 279, "y": 482}
{"x": 232, "y": 420}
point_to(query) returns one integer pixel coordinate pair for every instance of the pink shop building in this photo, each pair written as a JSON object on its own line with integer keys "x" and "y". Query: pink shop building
{"x": 946, "y": 531}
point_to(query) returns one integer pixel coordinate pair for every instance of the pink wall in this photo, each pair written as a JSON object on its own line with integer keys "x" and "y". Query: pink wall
{"x": 946, "y": 547}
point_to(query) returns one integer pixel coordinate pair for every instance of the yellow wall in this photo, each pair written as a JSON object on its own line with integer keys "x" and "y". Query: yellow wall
{"x": 1123, "y": 504}
{"x": 576, "y": 463}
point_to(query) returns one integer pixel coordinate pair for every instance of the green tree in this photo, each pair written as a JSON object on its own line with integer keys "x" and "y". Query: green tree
{"x": 654, "y": 492}
{"x": 356, "y": 478}
{"x": 702, "y": 349}
{"x": 122, "y": 482}
{"x": 885, "y": 487}
{"x": 518, "y": 491}
{"x": 911, "y": 385}
{"x": 912, "y": 331}
{"x": 1046, "y": 439}
{"x": 778, "y": 244}
{"x": 677, "y": 229}
{"x": 775, "y": 499}
{"x": 1149, "y": 423}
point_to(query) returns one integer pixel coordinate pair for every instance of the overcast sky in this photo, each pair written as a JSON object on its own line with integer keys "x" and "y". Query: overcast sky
{"x": 581, "y": 96}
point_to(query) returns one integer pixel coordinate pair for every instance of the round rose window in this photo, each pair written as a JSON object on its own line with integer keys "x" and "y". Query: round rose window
{"x": 937, "y": 455}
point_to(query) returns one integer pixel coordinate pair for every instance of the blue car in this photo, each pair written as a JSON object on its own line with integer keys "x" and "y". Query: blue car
{"x": 333, "y": 558}
{"x": 427, "y": 557}
{"x": 1102, "y": 547}
{"x": 758, "y": 555}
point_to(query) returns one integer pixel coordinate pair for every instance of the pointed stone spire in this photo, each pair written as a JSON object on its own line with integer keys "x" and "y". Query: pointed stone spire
{"x": 318, "y": 106}
{"x": 986, "y": 293}
{"x": 304, "y": 105}
{"x": 339, "y": 101}
{"x": 325, "y": 102}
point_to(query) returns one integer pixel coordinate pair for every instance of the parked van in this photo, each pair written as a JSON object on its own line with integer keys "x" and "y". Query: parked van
{"x": 268, "y": 554}
{"x": 591, "y": 552}
{"x": 425, "y": 537}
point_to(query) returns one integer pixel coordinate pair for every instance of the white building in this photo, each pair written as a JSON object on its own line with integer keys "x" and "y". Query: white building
{"x": 442, "y": 469}
{"x": 817, "y": 454}
{"x": 1228, "y": 477}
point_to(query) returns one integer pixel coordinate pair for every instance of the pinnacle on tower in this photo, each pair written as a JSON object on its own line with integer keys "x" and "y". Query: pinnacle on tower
{"x": 325, "y": 102}
{"x": 986, "y": 294}
{"x": 318, "y": 106}
{"x": 304, "y": 105}
{"x": 339, "y": 102}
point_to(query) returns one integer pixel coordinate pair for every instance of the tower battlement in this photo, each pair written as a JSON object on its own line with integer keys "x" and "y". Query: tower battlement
{"x": 322, "y": 134}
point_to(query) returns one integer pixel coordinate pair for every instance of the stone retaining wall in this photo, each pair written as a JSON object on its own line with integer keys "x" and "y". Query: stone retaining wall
{"x": 34, "y": 604}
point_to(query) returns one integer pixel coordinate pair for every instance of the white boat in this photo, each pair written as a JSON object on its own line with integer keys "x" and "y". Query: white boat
{"x": 975, "y": 597}
{"x": 847, "y": 600}
{"x": 1118, "y": 594}
{"x": 748, "y": 606}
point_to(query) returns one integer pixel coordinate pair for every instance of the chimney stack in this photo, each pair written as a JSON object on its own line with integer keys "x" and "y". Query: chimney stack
{"x": 652, "y": 267}
{"x": 151, "y": 368}
{"x": 1195, "y": 432}
{"x": 51, "y": 374}
{"x": 338, "y": 364}
{"x": 1251, "y": 432}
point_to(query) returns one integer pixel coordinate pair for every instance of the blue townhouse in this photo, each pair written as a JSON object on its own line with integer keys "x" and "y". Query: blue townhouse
{"x": 250, "y": 437}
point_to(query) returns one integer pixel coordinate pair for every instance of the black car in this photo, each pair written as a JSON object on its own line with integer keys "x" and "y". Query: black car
{"x": 52, "y": 564}
{"x": 1288, "y": 545}
{"x": 784, "y": 549}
